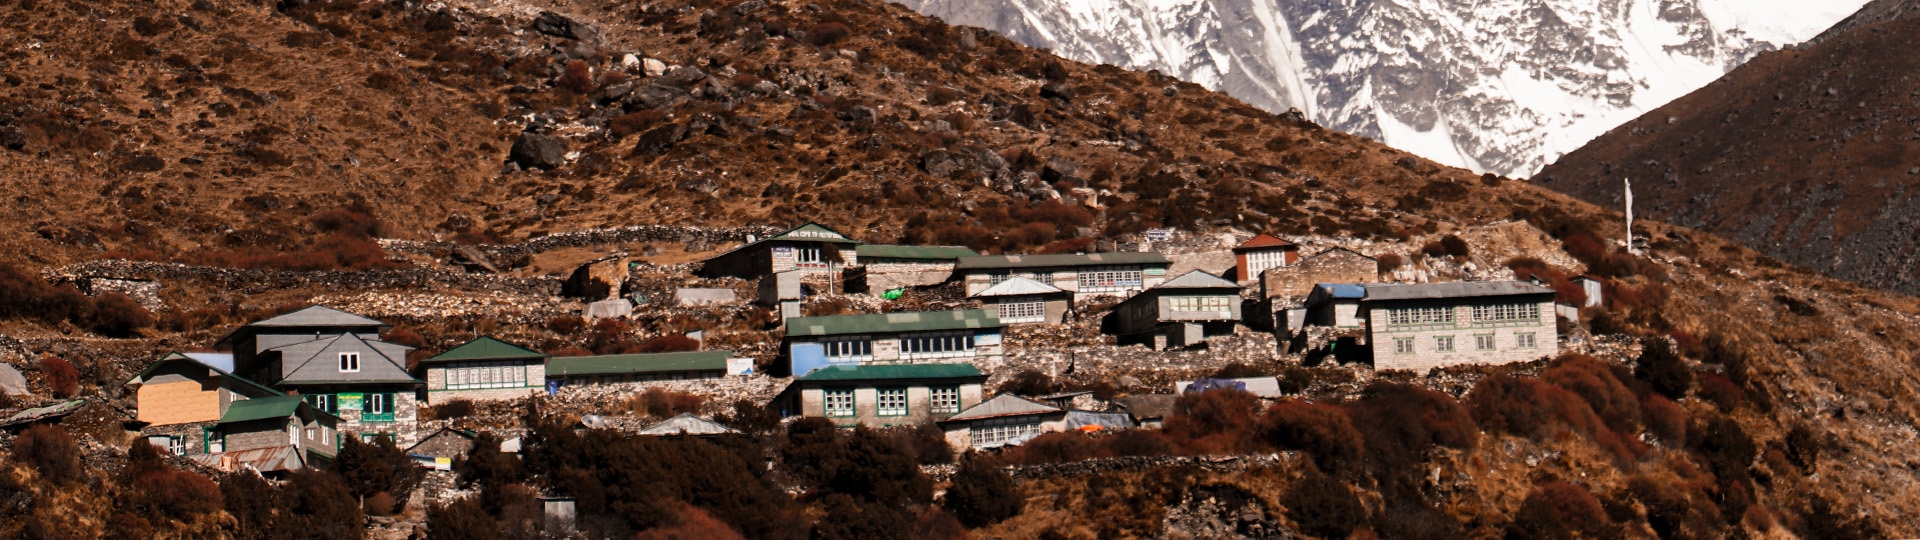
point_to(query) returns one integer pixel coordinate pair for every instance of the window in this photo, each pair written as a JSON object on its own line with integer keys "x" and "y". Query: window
{"x": 1040, "y": 277}
{"x": 349, "y": 362}
{"x": 1201, "y": 303}
{"x": 1420, "y": 316}
{"x": 323, "y": 402}
{"x": 1403, "y": 345}
{"x": 997, "y": 431}
{"x": 839, "y": 402}
{"x": 849, "y": 348}
{"x": 216, "y": 442}
{"x": 379, "y": 404}
{"x": 313, "y": 434}
{"x": 808, "y": 257}
{"x": 1483, "y": 342}
{"x": 474, "y": 375}
{"x": 172, "y": 444}
{"x": 293, "y": 433}
{"x": 1023, "y": 310}
{"x": 1109, "y": 279}
{"x": 1506, "y": 313}
{"x": 946, "y": 399}
{"x": 892, "y": 402}
{"x": 1524, "y": 341}
{"x": 1443, "y": 343}
{"x": 937, "y": 345}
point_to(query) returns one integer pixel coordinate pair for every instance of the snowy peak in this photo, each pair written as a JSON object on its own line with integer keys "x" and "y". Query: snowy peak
{"x": 1502, "y": 86}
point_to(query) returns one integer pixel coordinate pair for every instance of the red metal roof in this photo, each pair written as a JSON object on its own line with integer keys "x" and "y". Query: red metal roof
{"x": 1262, "y": 241}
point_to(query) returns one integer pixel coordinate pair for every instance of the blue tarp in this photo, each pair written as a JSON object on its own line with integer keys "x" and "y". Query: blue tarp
{"x": 1208, "y": 385}
{"x": 808, "y": 357}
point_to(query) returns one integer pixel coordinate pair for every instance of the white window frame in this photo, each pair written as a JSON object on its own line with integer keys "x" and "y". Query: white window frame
{"x": 1201, "y": 304}
{"x": 1024, "y": 309}
{"x": 809, "y": 257}
{"x": 1110, "y": 279}
{"x": 349, "y": 362}
{"x": 1420, "y": 316}
{"x": 1403, "y": 345}
{"x": 1506, "y": 313}
{"x": 890, "y": 401}
{"x": 840, "y": 349}
{"x": 293, "y": 432}
{"x": 1526, "y": 340}
{"x": 952, "y": 344}
{"x": 838, "y": 403}
{"x": 1443, "y": 344}
{"x": 376, "y": 403}
{"x": 483, "y": 375}
{"x": 944, "y": 399}
{"x": 1260, "y": 261}
{"x": 993, "y": 431}
{"x": 172, "y": 444}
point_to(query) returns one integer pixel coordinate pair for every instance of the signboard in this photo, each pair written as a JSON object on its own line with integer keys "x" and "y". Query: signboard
{"x": 1154, "y": 271}
{"x": 886, "y": 349}
{"x": 351, "y": 402}
{"x": 981, "y": 340}
{"x": 783, "y": 251}
{"x": 1159, "y": 235}
{"x": 442, "y": 464}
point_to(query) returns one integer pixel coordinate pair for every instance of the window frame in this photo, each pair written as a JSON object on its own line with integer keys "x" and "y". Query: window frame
{"x": 1405, "y": 345}
{"x": 943, "y": 399}
{"x": 1485, "y": 342}
{"x": 847, "y": 348}
{"x": 801, "y": 253}
{"x": 828, "y": 397}
{"x": 891, "y": 401}
{"x": 1526, "y": 340}
{"x": 1445, "y": 344}
{"x": 327, "y": 403}
{"x": 1023, "y": 309}
{"x": 1119, "y": 278}
{"x": 349, "y": 362}
{"x": 943, "y": 344}
{"x": 1200, "y": 304}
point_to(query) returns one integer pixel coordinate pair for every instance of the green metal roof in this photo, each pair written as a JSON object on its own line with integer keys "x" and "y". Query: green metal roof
{"x": 913, "y": 252}
{"x": 892, "y": 323}
{"x": 262, "y": 408}
{"x": 812, "y": 232}
{"x": 488, "y": 348}
{"x": 892, "y": 371}
{"x": 1063, "y": 260}
{"x": 637, "y": 363}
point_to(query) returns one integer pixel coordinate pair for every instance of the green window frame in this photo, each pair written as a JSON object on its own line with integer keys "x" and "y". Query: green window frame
{"x": 1403, "y": 345}
{"x": 838, "y": 403}
{"x": 1526, "y": 340}
{"x": 378, "y": 408}
{"x": 1484, "y": 342}
{"x": 326, "y": 403}
{"x": 1442, "y": 343}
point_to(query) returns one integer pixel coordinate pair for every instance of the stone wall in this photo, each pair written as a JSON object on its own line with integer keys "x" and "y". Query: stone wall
{"x": 1293, "y": 283}
{"x": 704, "y": 237}
{"x": 253, "y": 282}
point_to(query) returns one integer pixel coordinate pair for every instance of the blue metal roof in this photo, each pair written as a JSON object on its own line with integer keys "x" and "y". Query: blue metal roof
{"x": 1345, "y": 290}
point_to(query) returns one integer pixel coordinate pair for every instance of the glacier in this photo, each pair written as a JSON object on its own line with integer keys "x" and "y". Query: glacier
{"x": 1501, "y": 86}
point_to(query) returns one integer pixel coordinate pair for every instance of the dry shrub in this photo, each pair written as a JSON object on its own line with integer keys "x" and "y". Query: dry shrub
{"x": 1565, "y": 290}
{"x": 1215, "y": 422}
{"x": 1664, "y": 418}
{"x": 982, "y": 494}
{"x": 661, "y": 403}
{"x": 337, "y": 251}
{"x": 1400, "y": 421}
{"x": 1803, "y": 446}
{"x": 1532, "y": 408}
{"x": 829, "y": 33}
{"x": 1719, "y": 391}
{"x": 1071, "y": 245}
{"x": 566, "y": 325}
{"x": 380, "y": 504}
{"x": 570, "y": 351}
{"x": 178, "y": 494}
{"x": 1139, "y": 443}
{"x": 352, "y": 221}
{"x": 691, "y": 523}
{"x": 635, "y": 122}
{"x": 458, "y": 408}
{"x": 1560, "y": 510}
{"x": 1594, "y": 382}
{"x": 1321, "y": 430}
{"x": 461, "y": 519}
{"x": 1660, "y": 367}
{"x": 1027, "y": 382}
{"x": 1389, "y": 262}
{"x": 1055, "y": 447}
{"x": 610, "y": 336}
{"x": 117, "y": 315}
{"x": 1453, "y": 246}
{"x": 1323, "y": 506}
{"x": 62, "y": 378}
{"x": 669, "y": 343}
{"x": 935, "y": 524}
{"x": 51, "y": 451}
{"x": 577, "y": 76}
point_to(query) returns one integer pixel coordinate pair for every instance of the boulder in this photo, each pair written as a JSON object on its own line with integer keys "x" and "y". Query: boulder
{"x": 536, "y": 151}
{"x": 653, "y": 67}
{"x": 945, "y": 164}
{"x": 561, "y": 26}
{"x": 656, "y": 97}
{"x": 12, "y": 383}
{"x": 1059, "y": 91}
{"x": 858, "y": 114}
{"x": 658, "y": 140}
{"x": 683, "y": 76}
{"x": 596, "y": 280}
{"x": 1058, "y": 169}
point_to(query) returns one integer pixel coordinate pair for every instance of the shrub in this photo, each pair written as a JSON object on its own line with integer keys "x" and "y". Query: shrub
{"x": 1725, "y": 447}
{"x": 691, "y": 523}
{"x": 1323, "y": 506}
{"x": 351, "y": 221}
{"x": 1055, "y": 447}
{"x": 116, "y": 315}
{"x": 62, "y": 378}
{"x": 1323, "y": 431}
{"x": 1027, "y": 383}
{"x": 577, "y": 76}
{"x": 661, "y": 403}
{"x": 1824, "y": 519}
{"x": 1530, "y": 407}
{"x": 1216, "y": 422}
{"x": 1239, "y": 370}
{"x": 1139, "y": 442}
{"x": 570, "y": 351}
{"x": 51, "y": 451}
{"x": 1665, "y": 419}
{"x": 177, "y": 494}
{"x": 378, "y": 467}
{"x": 982, "y": 494}
{"x": 668, "y": 343}
{"x": 1803, "y": 446}
{"x": 1433, "y": 249}
{"x": 610, "y": 336}
{"x": 1454, "y": 246}
{"x": 751, "y": 418}
{"x": 849, "y": 518}
{"x": 461, "y": 519}
{"x": 1594, "y": 382}
{"x": 1718, "y": 391}
{"x": 825, "y": 34}
{"x": 380, "y": 504}
{"x": 1389, "y": 262}
{"x": 1661, "y": 368}
{"x": 486, "y": 465}
{"x": 1559, "y": 510}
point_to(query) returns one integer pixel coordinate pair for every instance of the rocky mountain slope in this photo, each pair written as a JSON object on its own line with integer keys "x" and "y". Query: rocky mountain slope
{"x": 227, "y": 134}
{"x": 1812, "y": 156}
{"x": 1504, "y": 86}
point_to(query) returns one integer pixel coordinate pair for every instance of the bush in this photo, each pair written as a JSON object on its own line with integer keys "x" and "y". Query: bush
{"x": 1139, "y": 442}
{"x": 353, "y": 222}
{"x": 486, "y": 465}
{"x": 982, "y": 494}
{"x": 577, "y": 76}
{"x": 1530, "y": 408}
{"x": 1027, "y": 383}
{"x": 1389, "y": 262}
{"x": 1238, "y": 370}
{"x": 1454, "y": 246}
{"x": 461, "y": 519}
{"x": 1803, "y": 447}
{"x": 662, "y": 403}
{"x": 1323, "y": 431}
{"x": 691, "y": 523}
{"x": 1216, "y": 422}
{"x": 825, "y": 34}
{"x": 669, "y": 343}
{"x": 380, "y": 504}
{"x": 456, "y": 408}
{"x": 51, "y": 451}
{"x": 1725, "y": 447}
{"x": 378, "y": 467}
{"x": 1665, "y": 419}
{"x": 1559, "y": 510}
{"x": 1594, "y": 382}
{"x": 849, "y": 518}
{"x": 1055, "y": 447}
{"x": 116, "y": 315}
{"x": 1719, "y": 391}
{"x": 751, "y": 418}
{"x": 1660, "y": 367}
{"x": 610, "y": 336}
{"x": 62, "y": 378}
{"x": 1323, "y": 506}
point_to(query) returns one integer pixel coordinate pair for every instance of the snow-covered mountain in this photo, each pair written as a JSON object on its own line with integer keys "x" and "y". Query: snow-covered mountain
{"x": 1504, "y": 86}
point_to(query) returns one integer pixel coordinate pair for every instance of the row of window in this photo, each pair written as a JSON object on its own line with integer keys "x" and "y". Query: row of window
{"x": 1499, "y": 313}
{"x": 1481, "y": 342}
{"x": 640, "y": 377}
{"x": 369, "y": 404}
{"x": 937, "y": 344}
{"x": 1482, "y": 314}
{"x": 1201, "y": 303}
{"x": 891, "y": 401}
{"x": 476, "y": 375}
{"x": 1041, "y": 277}
{"x": 1090, "y": 279}
{"x": 994, "y": 431}
{"x": 1260, "y": 261}
{"x": 1023, "y": 310}
{"x": 1419, "y": 316}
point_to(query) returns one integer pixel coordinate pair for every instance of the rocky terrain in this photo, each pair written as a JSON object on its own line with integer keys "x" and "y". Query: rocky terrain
{"x": 1810, "y": 155}
{"x": 1504, "y": 86}
{"x": 409, "y": 147}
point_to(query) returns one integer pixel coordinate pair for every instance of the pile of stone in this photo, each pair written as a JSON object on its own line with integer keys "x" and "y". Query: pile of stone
{"x": 720, "y": 394}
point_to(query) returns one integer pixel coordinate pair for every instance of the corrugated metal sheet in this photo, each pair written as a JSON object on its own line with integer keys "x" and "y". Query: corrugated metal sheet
{"x": 688, "y": 424}
{"x": 488, "y": 348}
{"x": 990, "y": 262}
{"x": 1352, "y": 291}
{"x": 1018, "y": 286}
{"x": 892, "y": 371}
{"x": 811, "y": 232}
{"x": 270, "y": 459}
{"x": 1198, "y": 280}
{"x": 1004, "y": 405}
{"x": 892, "y": 322}
{"x": 262, "y": 408}
{"x": 638, "y": 363}
{"x": 1262, "y": 241}
{"x": 1464, "y": 289}
{"x": 926, "y": 253}
{"x": 1106, "y": 420}
{"x": 321, "y": 316}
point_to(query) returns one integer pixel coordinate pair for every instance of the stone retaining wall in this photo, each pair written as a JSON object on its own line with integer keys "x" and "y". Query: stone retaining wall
{"x": 594, "y": 237}
{"x": 261, "y": 281}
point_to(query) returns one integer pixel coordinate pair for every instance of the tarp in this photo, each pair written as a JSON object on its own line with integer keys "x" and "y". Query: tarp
{"x": 808, "y": 357}
{"x": 1208, "y": 385}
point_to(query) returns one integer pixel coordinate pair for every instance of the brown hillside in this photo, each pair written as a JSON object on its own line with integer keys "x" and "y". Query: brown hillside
{"x": 1812, "y": 156}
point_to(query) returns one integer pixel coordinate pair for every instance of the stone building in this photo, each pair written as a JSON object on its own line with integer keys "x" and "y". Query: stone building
{"x": 812, "y": 248}
{"x": 1005, "y": 419}
{"x": 180, "y": 400}
{"x": 892, "y": 267}
{"x": 337, "y": 362}
{"x": 1179, "y": 313}
{"x": 1085, "y": 275}
{"x": 1425, "y": 326}
{"x": 1020, "y": 300}
{"x": 1255, "y": 256}
{"x": 441, "y": 448}
{"x": 937, "y": 337}
{"x": 883, "y": 395}
{"x": 276, "y": 422}
{"x": 485, "y": 369}
{"x": 598, "y": 279}
{"x": 1284, "y": 290}
{"x": 631, "y": 368}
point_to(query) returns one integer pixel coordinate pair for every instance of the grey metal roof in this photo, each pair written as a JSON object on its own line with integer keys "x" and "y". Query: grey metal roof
{"x": 688, "y": 424}
{"x": 932, "y": 253}
{"x": 991, "y": 262}
{"x": 321, "y": 316}
{"x": 318, "y": 361}
{"x": 892, "y": 322}
{"x": 1198, "y": 280}
{"x": 1004, "y": 405}
{"x": 1018, "y": 286}
{"x": 1464, "y": 289}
